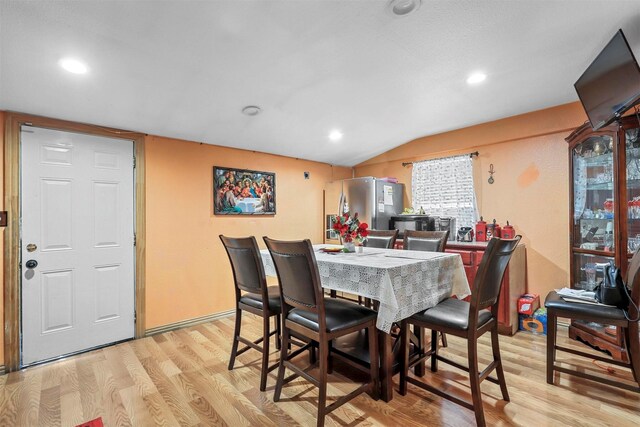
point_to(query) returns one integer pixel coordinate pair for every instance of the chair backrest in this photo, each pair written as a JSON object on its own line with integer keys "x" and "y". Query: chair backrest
{"x": 385, "y": 239}
{"x": 486, "y": 287}
{"x": 246, "y": 263}
{"x": 430, "y": 241}
{"x": 298, "y": 275}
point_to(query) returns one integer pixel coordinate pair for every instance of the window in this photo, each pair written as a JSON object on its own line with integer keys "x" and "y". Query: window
{"x": 444, "y": 187}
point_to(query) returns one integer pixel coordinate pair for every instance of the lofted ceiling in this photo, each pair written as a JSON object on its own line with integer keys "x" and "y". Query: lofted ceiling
{"x": 185, "y": 69}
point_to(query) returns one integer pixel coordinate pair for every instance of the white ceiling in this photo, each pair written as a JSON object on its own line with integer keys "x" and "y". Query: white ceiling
{"x": 185, "y": 69}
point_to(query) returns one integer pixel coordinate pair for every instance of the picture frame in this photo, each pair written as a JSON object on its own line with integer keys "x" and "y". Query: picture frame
{"x": 243, "y": 192}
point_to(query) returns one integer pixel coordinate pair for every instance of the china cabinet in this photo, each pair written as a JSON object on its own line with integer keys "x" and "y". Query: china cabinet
{"x": 604, "y": 214}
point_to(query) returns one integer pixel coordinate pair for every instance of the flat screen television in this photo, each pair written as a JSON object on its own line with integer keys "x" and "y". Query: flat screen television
{"x": 611, "y": 84}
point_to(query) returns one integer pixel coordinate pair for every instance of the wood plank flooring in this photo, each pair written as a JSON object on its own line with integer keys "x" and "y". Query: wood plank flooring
{"x": 181, "y": 378}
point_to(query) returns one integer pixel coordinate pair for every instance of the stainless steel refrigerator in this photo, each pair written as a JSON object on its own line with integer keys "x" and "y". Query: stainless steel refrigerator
{"x": 374, "y": 200}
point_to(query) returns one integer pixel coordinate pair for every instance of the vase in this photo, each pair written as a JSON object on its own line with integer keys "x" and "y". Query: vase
{"x": 349, "y": 246}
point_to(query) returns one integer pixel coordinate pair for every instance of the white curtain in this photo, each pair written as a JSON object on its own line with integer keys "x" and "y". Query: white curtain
{"x": 444, "y": 187}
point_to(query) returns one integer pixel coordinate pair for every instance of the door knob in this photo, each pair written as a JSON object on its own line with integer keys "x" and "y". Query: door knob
{"x": 31, "y": 247}
{"x": 31, "y": 264}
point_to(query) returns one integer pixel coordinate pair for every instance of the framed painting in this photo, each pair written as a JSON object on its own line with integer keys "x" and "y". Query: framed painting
{"x": 243, "y": 192}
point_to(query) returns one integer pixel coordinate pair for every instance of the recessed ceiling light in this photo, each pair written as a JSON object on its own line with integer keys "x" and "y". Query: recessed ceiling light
{"x": 335, "y": 135}
{"x": 476, "y": 78}
{"x": 404, "y": 7}
{"x": 251, "y": 110}
{"x": 73, "y": 66}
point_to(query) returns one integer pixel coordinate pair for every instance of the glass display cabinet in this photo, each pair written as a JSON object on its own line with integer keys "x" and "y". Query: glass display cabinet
{"x": 604, "y": 214}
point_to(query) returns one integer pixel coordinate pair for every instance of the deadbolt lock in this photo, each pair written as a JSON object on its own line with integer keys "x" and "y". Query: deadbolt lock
{"x": 31, "y": 247}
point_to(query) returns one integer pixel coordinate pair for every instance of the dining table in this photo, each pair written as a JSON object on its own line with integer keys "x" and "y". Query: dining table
{"x": 402, "y": 282}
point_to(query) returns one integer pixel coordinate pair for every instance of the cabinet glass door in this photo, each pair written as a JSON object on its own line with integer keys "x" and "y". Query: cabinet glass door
{"x": 589, "y": 270}
{"x": 593, "y": 194}
{"x": 632, "y": 137}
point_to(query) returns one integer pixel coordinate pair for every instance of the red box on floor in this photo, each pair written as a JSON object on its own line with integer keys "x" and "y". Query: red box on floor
{"x": 528, "y": 304}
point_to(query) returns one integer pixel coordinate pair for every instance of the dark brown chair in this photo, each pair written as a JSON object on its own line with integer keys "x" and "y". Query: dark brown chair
{"x": 432, "y": 241}
{"x": 557, "y": 307}
{"x": 252, "y": 295}
{"x": 307, "y": 313}
{"x": 384, "y": 239}
{"x": 469, "y": 321}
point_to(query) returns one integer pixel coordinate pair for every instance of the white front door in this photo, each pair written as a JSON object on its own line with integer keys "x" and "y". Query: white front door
{"x": 77, "y": 196}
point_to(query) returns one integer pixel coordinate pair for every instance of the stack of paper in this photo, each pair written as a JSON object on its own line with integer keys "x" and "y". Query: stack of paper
{"x": 577, "y": 295}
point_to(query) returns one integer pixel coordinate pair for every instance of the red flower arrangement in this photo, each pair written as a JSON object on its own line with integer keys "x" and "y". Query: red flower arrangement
{"x": 350, "y": 228}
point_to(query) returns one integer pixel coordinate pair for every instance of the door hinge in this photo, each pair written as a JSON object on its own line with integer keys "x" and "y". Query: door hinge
{"x": 134, "y": 162}
{"x": 135, "y": 316}
{"x": 134, "y": 239}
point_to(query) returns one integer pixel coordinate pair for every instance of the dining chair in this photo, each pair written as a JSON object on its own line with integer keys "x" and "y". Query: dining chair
{"x": 468, "y": 320}
{"x": 253, "y": 296}
{"x": 306, "y": 312}
{"x": 384, "y": 239}
{"x": 557, "y": 307}
{"x": 430, "y": 241}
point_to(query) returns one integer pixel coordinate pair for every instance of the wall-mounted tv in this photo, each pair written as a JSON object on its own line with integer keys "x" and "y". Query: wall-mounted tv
{"x": 611, "y": 84}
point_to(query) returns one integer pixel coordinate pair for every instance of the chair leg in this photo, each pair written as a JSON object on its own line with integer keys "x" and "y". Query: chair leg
{"x": 329, "y": 357}
{"x": 322, "y": 380}
{"x": 278, "y": 332}
{"x": 633, "y": 351}
{"x": 443, "y": 336}
{"x": 236, "y": 334}
{"x": 283, "y": 357}
{"x": 419, "y": 332}
{"x": 495, "y": 345}
{"x": 434, "y": 351}
{"x": 552, "y": 331}
{"x": 474, "y": 379}
{"x": 313, "y": 357}
{"x": 404, "y": 354}
{"x": 265, "y": 351}
{"x": 374, "y": 365}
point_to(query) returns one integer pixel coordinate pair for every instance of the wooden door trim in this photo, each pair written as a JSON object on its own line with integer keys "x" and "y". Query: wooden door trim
{"x": 11, "y": 257}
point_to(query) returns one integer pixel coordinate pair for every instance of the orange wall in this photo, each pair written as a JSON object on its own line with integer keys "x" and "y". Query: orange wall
{"x": 531, "y": 187}
{"x": 188, "y": 273}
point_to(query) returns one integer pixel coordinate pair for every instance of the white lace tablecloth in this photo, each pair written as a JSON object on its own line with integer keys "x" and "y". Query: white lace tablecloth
{"x": 403, "y": 282}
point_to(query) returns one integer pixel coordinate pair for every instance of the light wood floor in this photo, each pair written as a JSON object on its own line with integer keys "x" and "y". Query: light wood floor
{"x": 181, "y": 378}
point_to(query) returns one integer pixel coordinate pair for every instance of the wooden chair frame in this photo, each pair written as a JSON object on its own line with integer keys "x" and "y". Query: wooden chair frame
{"x": 630, "y": 335}
{"x": 322, "y": 337}
{"x": 441, "y": 236}
{"x": 385, "y": 233}
{"x": 250, "y": 245}
{"x": 496, "y": 248}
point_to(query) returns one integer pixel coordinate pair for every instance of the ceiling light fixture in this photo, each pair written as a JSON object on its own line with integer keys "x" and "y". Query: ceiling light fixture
{"x": 251, "y": 110}
{"x": 476, "y": 78}
{"x": 73, "y": 66}
{"x": 335, "y": 135}
{"x": 404, "y": 7}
